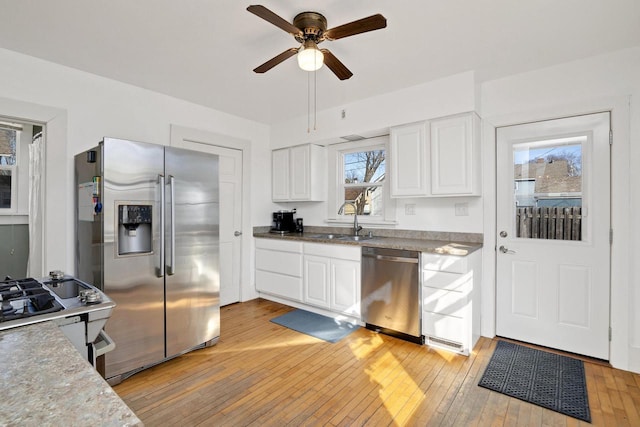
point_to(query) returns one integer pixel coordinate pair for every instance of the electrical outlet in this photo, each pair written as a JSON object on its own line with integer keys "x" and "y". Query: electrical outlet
{"x": 410, "y": 209}
{"x": 462, "y": 209}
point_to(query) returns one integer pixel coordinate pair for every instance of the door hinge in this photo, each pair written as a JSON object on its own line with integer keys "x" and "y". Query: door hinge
{"x": 611, "y": 236}
{"x": 610, "y": 333}
{"x": 610, "y": 137}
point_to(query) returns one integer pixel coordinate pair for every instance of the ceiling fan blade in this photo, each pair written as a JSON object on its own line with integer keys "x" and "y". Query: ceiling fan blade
{"x": 276, "y": 60}
{"x": 276, "y": 20}
{"x": 335, "y": 65}
{"x": 373, "y": 22}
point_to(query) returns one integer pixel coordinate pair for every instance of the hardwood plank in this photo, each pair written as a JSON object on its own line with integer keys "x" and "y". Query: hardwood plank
{"x": 261, "y": 374}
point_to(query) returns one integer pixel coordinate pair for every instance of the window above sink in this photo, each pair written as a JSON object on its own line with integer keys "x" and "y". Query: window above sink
{"x": 357, "y": 170}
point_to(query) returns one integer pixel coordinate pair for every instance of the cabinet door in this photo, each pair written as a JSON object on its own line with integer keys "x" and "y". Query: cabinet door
{"x": 316, "y": 281}
{"x": 345, "y": 287}
{"x": 408, "y": 157}
{"x": 300, "y": 176}
{"x": 454, "y": 168}
{"x": 280, "y": 175}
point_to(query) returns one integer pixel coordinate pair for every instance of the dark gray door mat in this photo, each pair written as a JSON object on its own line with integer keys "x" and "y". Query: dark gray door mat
{"x": 545, "y": 379}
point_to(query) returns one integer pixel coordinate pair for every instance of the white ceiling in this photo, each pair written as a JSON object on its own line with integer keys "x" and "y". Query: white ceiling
{"x": 204, "y": 51}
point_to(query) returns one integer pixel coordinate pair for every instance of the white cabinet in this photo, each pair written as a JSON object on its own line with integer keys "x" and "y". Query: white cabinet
{"x": 450, "y": 301}
{"x": 332, "y": 277}
{"x": 455, "y": 155}
{"x": 299, "y": 173}
{"x": 408, "y": 155}
{"x": 436, "y": 158}
{"x": 280, "y": 175}
{"x": 316, "y": 282}
{"x": 279, "y": 268}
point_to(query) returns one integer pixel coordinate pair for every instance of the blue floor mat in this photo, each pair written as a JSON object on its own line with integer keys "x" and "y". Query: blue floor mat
{"x": 316, "y": 325}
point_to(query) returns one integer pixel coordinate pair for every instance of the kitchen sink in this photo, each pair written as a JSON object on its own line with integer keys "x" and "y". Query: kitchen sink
{"x": 346, "y": 237}
{"x": 326, "y": 236}
{"x": 355, "y": 238}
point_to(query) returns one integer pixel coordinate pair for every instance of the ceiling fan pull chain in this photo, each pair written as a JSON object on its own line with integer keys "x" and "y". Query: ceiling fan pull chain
{"x": 308, "y": 103}
{"x": 315, "y": 100}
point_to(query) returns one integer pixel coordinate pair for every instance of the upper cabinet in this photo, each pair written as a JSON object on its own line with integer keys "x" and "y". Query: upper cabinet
{"x": 408, "y": 146}
{"x": 455, "y": 156}
{"x": 436, "y": 158}
{"x": 299, "y": 173}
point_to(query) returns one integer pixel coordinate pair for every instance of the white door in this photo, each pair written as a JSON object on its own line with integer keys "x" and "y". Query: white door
{"x": 553, "y": 222}
{"x": 230, "y": 217}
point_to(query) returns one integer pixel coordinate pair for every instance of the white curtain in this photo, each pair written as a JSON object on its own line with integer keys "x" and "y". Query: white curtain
{"x": 36, "y": 171}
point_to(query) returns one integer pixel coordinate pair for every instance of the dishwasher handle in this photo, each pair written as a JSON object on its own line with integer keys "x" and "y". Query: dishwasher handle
{"x": 392, "y": 258}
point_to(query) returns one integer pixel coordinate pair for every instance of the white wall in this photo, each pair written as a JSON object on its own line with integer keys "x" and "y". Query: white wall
{"x": 607, "y": 82}
{"x": 374, "y": 116}
{"x": 81, "y": 108}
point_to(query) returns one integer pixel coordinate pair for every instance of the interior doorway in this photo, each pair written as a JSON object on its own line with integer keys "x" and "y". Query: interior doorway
{"x": 21, "y": 197}
{"x": 553, "y": 224}
{"x": 231, "y": 191}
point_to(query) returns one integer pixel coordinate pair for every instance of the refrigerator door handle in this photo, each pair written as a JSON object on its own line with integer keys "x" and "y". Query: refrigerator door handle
{"x": 162, "y": 220}
{"x": 172, "y": 207}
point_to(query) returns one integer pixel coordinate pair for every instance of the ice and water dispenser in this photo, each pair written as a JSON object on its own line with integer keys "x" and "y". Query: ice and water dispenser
{"x": 134, "y": 229}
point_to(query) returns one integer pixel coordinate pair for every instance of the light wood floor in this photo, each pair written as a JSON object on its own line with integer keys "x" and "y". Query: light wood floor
{"x": 261, "y": 374}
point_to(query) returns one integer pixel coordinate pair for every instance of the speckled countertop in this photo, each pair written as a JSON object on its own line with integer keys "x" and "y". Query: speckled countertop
{"x": 460, "y": 244}
{"x": 45, "y": 382}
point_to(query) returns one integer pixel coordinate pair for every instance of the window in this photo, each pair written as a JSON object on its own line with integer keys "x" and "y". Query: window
{"x": 8, "y": 162}
{"x": 548, "y": 189}
{"x": 360, "y": 175}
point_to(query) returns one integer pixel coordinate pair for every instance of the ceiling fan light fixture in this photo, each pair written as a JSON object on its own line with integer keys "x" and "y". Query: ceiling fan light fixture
{"x": 309, "y": 56}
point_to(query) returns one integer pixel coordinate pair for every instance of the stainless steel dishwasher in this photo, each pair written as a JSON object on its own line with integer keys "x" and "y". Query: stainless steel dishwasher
{"x": 391, "y": 292}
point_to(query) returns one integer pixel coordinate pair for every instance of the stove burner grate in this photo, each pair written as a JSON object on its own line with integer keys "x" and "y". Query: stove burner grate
{"x": 25, "y": 298}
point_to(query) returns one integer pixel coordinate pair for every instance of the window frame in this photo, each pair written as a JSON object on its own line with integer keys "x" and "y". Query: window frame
{"x": 14, "y": 177}
{"x": 337, "y": 183}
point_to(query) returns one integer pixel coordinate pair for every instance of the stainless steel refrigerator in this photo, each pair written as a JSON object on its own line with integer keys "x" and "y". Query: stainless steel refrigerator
{"x": 147, "y": 228}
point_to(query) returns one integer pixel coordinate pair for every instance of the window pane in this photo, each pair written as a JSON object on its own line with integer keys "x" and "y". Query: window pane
{"x": 7, "y": 147}
{"x": 368, "y": 200}
{"x": 364, "y": 166}
{"x": 5, "y": 189}
{"x": 548, "y": 189}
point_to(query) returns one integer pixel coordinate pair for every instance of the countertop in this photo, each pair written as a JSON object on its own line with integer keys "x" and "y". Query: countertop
{"x": 443, "y": 247}
{"x": 45, "y": 382}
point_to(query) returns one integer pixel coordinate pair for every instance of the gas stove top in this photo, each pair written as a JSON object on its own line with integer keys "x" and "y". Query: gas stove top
{"x": 25, "y": 298}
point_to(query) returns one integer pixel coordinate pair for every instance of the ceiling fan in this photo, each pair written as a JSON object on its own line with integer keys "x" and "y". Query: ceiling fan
{"x": 310, "y": 29}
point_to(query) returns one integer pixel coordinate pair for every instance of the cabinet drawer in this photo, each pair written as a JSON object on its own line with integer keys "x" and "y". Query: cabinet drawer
{"x": 279, "y": 245}
{"x": 279, "y": 262}
{"x": 449, "y": 263}
{"x": 447, "y": 327}
{"x": 445, "y": 302}
{"x": 279, "y": 284}
{"x": 448, "y": 281}
{"x": 353, "y": 253}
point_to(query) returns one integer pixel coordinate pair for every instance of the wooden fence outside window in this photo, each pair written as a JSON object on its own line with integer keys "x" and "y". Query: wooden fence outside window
{"x": 549, "y": 223}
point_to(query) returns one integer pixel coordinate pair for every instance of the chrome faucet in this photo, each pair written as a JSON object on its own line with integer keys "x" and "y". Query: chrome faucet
{"x": 356, "y": 227}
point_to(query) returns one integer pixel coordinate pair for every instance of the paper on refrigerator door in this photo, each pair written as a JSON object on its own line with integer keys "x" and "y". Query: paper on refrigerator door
{"x": 86, "y": 206}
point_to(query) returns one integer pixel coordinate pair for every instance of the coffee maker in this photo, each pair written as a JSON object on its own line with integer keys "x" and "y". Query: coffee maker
{"x": 283, "y": 222}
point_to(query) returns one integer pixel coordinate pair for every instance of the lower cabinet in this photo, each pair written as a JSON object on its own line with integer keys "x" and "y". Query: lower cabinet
{"x": 279, "y": 268}
{"x": 450, "y": 301}
{"x": 331, "y": 278}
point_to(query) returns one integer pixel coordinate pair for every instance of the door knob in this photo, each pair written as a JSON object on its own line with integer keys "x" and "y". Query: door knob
{"x": 237, "y": 233}
{"x": 503, "y": 234}
{"x": 506, "y": 250}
